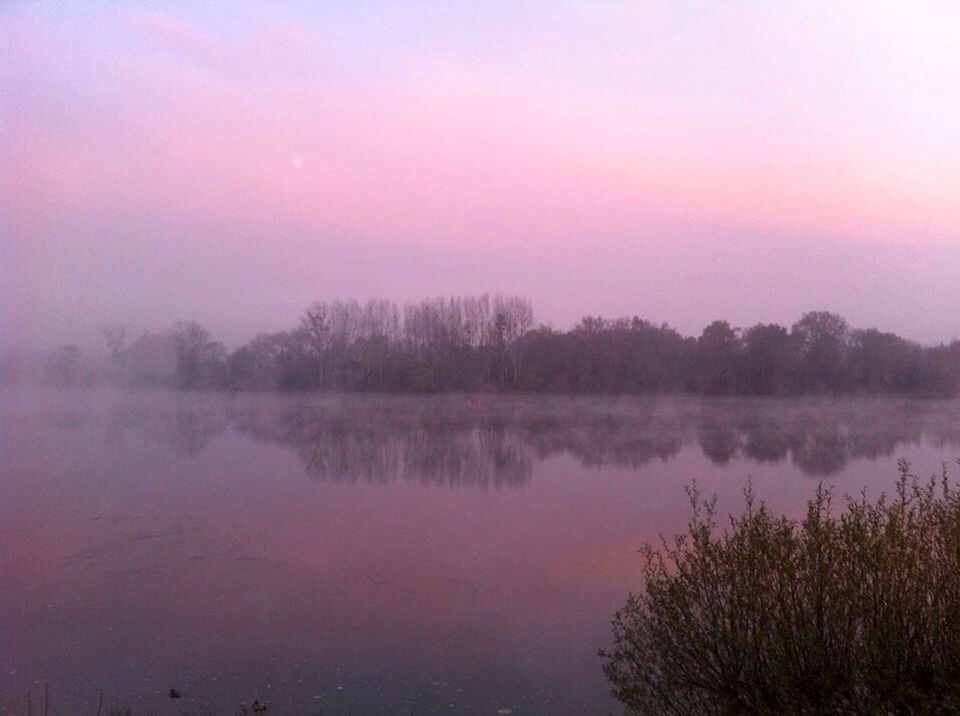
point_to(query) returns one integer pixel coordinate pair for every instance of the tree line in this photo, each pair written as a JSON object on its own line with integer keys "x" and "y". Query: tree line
{"x": 493, "y": 343}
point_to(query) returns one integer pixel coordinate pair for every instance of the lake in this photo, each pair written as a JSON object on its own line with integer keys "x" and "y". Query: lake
{"x": 362, "y": 554}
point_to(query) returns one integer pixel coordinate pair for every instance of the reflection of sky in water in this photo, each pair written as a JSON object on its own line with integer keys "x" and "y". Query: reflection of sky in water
{"x": 163, "y": 541}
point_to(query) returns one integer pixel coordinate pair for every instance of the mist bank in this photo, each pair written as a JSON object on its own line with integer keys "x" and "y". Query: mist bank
{"x": 494, "y": 344}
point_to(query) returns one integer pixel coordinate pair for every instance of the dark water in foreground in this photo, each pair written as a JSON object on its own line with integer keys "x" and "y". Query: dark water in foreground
{"x": 365, "y": 554}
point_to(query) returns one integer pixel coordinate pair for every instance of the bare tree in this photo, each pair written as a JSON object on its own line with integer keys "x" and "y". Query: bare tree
{"x": 513, "y": 318}
{"x": 316, "y": 329}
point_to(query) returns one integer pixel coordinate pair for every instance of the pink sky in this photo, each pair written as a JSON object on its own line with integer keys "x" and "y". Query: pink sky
{"x": 683, "y": 161}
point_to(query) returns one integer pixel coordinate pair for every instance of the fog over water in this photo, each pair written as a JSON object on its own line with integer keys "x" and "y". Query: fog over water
{"x": 365, "y": 552}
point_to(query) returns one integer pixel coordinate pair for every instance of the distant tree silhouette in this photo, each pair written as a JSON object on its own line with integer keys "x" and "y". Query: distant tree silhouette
{"x": 201, "y": 362}
{"x": 493, "y": 343}
{"x": 823, "y": 341}
{"x": 717, "y": 362}
{"x": 770, "y": 360}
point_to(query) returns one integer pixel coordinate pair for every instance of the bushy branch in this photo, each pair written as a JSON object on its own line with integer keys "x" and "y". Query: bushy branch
{"x": 855, "y": 612}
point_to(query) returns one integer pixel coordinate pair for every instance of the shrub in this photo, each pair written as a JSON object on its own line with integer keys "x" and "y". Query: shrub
{"x": 856, "y": 612}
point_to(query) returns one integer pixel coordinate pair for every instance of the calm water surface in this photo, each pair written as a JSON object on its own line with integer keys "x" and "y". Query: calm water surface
{"x": 368, "y": 554}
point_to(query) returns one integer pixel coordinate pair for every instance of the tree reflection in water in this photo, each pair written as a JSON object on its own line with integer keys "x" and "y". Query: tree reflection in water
{"x": 495, "y": 441}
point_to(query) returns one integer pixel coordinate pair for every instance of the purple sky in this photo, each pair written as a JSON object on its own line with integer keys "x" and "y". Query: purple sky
{"x": 682, "y": 161}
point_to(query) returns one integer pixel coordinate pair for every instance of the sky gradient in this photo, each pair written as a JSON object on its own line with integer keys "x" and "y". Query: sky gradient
{"x": 683, "y": 161}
